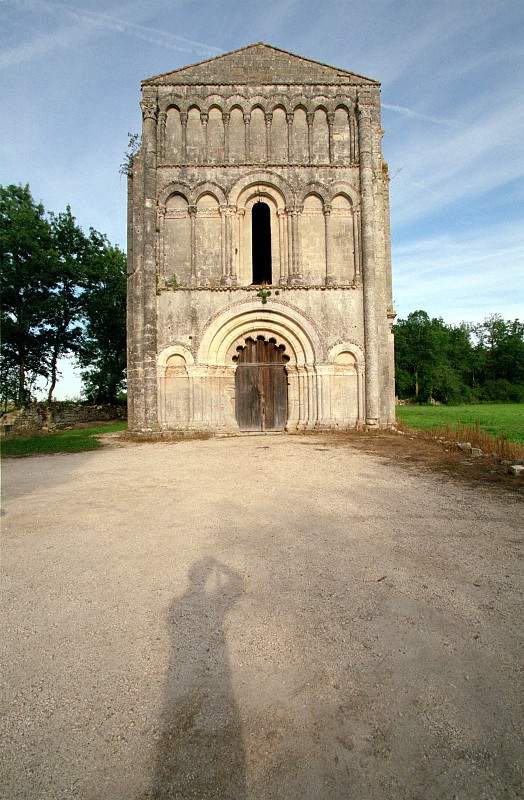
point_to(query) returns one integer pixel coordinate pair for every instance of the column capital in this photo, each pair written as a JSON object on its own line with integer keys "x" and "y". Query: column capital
{"x": 327, "y": 209}
{"x": 226, "y": 116}
{"x": 290, "y": 117}
{"x": 192, "y": 210}
{"x": 162, "y": 116}
{"x": 281, "y": 212}
{"x": 310, "y": 116}
{"x": 269, "y": 118}
{"x": 149, "y": 108}
{"x": 227, "y": 211}
{"x": 331, "y": 117}
{"x": 183, "y": 117}
{"x": 247, "y": 118}
{"x": 364, "y": 104}
{"x": 204, "y": 117}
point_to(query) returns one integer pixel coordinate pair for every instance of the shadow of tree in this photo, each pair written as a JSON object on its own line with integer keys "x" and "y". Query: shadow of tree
{"x": 200, "y": 753}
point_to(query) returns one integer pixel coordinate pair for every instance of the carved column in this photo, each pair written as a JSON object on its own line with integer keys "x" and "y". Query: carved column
{"x": 281, "y": 214}
{"x": 352, "y": 139}
{"x": 247, "y": 138}
{"x": 356, "y": 242}
{"x": 223, "y": 270}
{"x": 204, "y": 117}
{"x": 289, "y": 247}
{"x": 289, "y": 120}
{"x": 368, "y": 263}
{"x": 330, "y": 272}
{"x": 161, "y": 135}
{"x": 296, "y": 276}
{"x": 183, "y": 123}
{"x": 149, "y": 408}
{"x": 160, "y": 248}
{"x": 269, "y": 120}
{"x": 240, "y": 254}
{"x": 229, "y": 278}
{"x": 225, "y": 119}
{"x": 192, "y": 210}
{"x": 310, "y": 117}
{"x": 331, "y": 125}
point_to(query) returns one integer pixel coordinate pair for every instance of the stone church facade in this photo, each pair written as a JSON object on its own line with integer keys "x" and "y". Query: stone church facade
{"x": 259, "y": 286}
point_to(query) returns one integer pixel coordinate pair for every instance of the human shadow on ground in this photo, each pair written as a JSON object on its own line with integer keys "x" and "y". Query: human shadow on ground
{"x": 200, "y": 753}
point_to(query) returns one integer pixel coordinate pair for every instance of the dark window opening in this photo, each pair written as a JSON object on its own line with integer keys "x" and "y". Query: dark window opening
{"x": 261, "y": 243}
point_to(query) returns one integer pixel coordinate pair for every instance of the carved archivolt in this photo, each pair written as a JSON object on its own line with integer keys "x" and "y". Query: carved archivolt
{"x": 289, "y": 327}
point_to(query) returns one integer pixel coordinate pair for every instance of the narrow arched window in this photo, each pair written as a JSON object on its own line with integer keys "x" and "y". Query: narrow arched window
{"x": 261, "y": 243}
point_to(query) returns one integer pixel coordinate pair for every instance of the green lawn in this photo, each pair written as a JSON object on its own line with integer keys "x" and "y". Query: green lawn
{"x": 498, "y": 419}
{"x": 72, "y": 441}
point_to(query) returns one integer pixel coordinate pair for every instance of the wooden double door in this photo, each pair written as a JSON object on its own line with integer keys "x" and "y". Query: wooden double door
{"x": 261, "y": 385}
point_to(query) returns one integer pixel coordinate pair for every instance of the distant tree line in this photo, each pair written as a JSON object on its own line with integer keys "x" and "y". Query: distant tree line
{"x": 62, "y": 294}
{"x": 459, "y": 363}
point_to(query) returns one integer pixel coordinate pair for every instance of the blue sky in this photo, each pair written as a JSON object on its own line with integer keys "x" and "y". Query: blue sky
{"x": 452, "y": 78}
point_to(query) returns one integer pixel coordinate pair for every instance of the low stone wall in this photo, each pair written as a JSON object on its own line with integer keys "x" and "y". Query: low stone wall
{"x": 37, "y": 417}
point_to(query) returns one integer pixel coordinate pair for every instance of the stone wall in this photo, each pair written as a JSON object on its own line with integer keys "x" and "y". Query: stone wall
{"x": 35, "y": 417}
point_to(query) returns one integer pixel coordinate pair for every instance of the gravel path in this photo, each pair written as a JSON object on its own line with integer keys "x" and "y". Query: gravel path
{"x": 254, "y": 618}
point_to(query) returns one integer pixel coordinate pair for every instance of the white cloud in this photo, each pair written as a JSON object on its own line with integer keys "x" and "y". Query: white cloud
{"x": 91, "y": 23}
{"x": 412, "y": 114}
{"x": 462, "y": 275}
{"x": 441, "y": 168}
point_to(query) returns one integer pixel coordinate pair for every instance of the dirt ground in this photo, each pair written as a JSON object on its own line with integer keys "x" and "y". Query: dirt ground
{"x": 311, "y": 617}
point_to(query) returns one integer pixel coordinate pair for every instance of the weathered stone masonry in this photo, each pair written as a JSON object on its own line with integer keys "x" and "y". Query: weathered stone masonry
{"x": 259, "y": 125}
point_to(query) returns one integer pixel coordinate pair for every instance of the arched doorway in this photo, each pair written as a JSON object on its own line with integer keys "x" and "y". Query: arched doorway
{"x": 261, "y": 243}
{"x": 261, "y": 385}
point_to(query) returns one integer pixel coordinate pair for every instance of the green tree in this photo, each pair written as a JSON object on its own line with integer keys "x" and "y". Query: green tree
{"x": 433, "y": 360}
{"x": 416, "y": 355}
{"x": 64, "y": 303}
{"x": 26, "y": 258}
{"x": 102, "y": 350}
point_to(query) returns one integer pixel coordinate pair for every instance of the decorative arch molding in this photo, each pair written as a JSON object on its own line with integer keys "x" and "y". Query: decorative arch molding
{"x": 301, "y": 101}
{"x": 314, "y": 187}
{"x": 347, "y": 346}
{"x": 174, "y": 187}
{"x": 288, "y": 325}
{"x": 264, "y": 178}
{"x": 174, "y": 350}
{"x": 342, "y": 101}
{"x": 208, "y": 187}
{"x": 278, "y": 101}
{"x": 344, "y": 188}
{"x": 236, "y": 101}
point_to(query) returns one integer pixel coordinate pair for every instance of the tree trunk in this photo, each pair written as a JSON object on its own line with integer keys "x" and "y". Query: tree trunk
{"x": 416, "y": 383}
{"x": 52, "y": 384}
{"x": 21, "y": 380}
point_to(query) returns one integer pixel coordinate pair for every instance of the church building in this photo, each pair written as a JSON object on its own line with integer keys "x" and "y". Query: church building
{"x": 259, "y": 286}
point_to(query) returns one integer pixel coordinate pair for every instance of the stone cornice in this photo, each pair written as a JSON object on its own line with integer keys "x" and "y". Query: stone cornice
{"x": 274, "y": 288}
{"x": 257, "y": 164}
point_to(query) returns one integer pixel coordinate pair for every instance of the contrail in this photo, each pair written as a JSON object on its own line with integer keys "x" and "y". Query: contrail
{"x": 95, "y": 20}
{"x": 409, "y": 112}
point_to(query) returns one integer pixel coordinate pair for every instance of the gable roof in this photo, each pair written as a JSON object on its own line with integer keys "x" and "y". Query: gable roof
{"x": 258, "y": 63}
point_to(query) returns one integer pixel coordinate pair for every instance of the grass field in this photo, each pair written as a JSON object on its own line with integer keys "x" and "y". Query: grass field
{"x": 72, "y": 441}
{"x": 497, "y": 419}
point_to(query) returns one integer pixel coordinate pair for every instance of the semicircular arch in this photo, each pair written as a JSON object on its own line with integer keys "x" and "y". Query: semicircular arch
{"x": 174, "y": 187}
{"x": 264, "y": 178}
{"x": 174, "y": 350}
{"x": 251, "y": 317}
{"x": 208, "y": 187}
